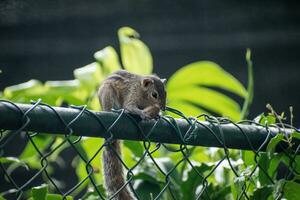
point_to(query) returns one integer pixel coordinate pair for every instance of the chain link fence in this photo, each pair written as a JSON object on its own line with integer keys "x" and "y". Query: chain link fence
{"x": 182, "y": 136}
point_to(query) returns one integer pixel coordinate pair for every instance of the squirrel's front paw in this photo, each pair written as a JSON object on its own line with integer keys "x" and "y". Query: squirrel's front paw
{"x": 150, "y": 112}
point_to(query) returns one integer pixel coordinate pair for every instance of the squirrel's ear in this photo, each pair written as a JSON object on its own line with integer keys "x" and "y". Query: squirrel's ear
{"x": 163, "y": 80}
{"x": 146, "y": 82}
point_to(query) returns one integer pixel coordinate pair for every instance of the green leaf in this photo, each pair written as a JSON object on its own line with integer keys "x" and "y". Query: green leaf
{"x": 93, "y": 103}
{"x": 9, "y": 160}
{"x": 192, "y": 180}
{"x": 240, "y": 181}
{"x": 2, "y": 198}
{"x": 184, "y": 107}
{"x": 266, "y": 120}
{"x": 291, "y": 190}
{"x": 24, "y": 91}
{"x": 71, "y": 91}
{"x": 198, "y": 154}
{"x": 295, "y": 135}
{"x": 262, "y": 193}
{"x": 195, "y": 92}
{"x": 151, "y": 175}
{"x": 147, "y": 190}
{"x": 5, "y": 160}
{"x": 205, "y": 73}
{"x": 219, "y": 192}
{"x": 208, "y": 98}
{"x": 248, "y": 158}
{"x": 30, "y": 154}
{"x": 129, "y": 158}
{"x": 39, "y": 192}
{"x": 272, "y": 145}
{"x": 57, "y": 197}
{"x": 148, "y": 175}
{"x": 53, "y": 91}
{"x": 92, "y": 194}
{"x": 90, "y": 75}
{"x": 136, "y": 56}
{"x": 264, "y": 163}
{"x": 41, "y": 141}
{"x": 167, "y": 165}
{"x": 273, "y": 165}
{"x": 147, "y": 172}
{"x": 135, "y": 147}
{"x": 88, "y": 147}
{"x": 63, "y": 86}
{"x": 108, "y": 59}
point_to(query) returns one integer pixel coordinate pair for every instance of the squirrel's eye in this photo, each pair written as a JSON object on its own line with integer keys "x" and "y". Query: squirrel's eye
{"x": 154, "y": 95}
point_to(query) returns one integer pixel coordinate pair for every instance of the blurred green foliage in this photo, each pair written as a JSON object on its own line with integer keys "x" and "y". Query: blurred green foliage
{"x": 200, "y": 87}
{"x": 41, "y": 193}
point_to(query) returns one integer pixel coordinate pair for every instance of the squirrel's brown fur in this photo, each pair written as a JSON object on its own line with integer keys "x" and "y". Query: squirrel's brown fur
{"x": 141, "y": 95}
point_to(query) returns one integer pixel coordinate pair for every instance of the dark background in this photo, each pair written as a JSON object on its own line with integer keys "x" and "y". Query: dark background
{"x": 46, "y": 40}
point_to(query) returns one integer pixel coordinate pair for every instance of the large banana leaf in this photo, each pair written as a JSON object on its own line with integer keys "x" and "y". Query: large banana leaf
{"x": 196, "y": 87}
{"x": 136, "y": 56}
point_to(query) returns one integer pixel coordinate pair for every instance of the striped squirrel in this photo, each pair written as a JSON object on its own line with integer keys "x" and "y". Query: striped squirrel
{"x": 141, "y": 95}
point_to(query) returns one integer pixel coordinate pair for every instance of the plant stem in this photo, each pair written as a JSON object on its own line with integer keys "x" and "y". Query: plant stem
{"x": 250, "y": 87}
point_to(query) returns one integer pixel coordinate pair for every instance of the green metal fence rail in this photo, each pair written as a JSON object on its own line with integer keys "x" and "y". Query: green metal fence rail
{"x": 38, "y": 118}
{"x": 192, "y": 132}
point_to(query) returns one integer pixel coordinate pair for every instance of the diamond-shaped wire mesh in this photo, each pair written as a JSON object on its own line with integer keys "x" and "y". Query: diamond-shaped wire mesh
{"x": 24, "y": 124}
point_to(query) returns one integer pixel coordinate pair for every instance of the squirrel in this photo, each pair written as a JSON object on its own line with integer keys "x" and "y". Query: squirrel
{"x": 141, "y": 95}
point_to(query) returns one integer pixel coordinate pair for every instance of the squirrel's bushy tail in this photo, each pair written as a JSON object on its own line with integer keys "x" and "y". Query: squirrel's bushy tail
{"x": 113, "y": 172}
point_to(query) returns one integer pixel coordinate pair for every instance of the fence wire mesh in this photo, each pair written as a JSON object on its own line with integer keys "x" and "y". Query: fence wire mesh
{"x": 14, "y": 187}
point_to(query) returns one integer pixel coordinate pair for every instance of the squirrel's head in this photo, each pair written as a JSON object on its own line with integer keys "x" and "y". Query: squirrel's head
{"x": 154, "y": 90}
